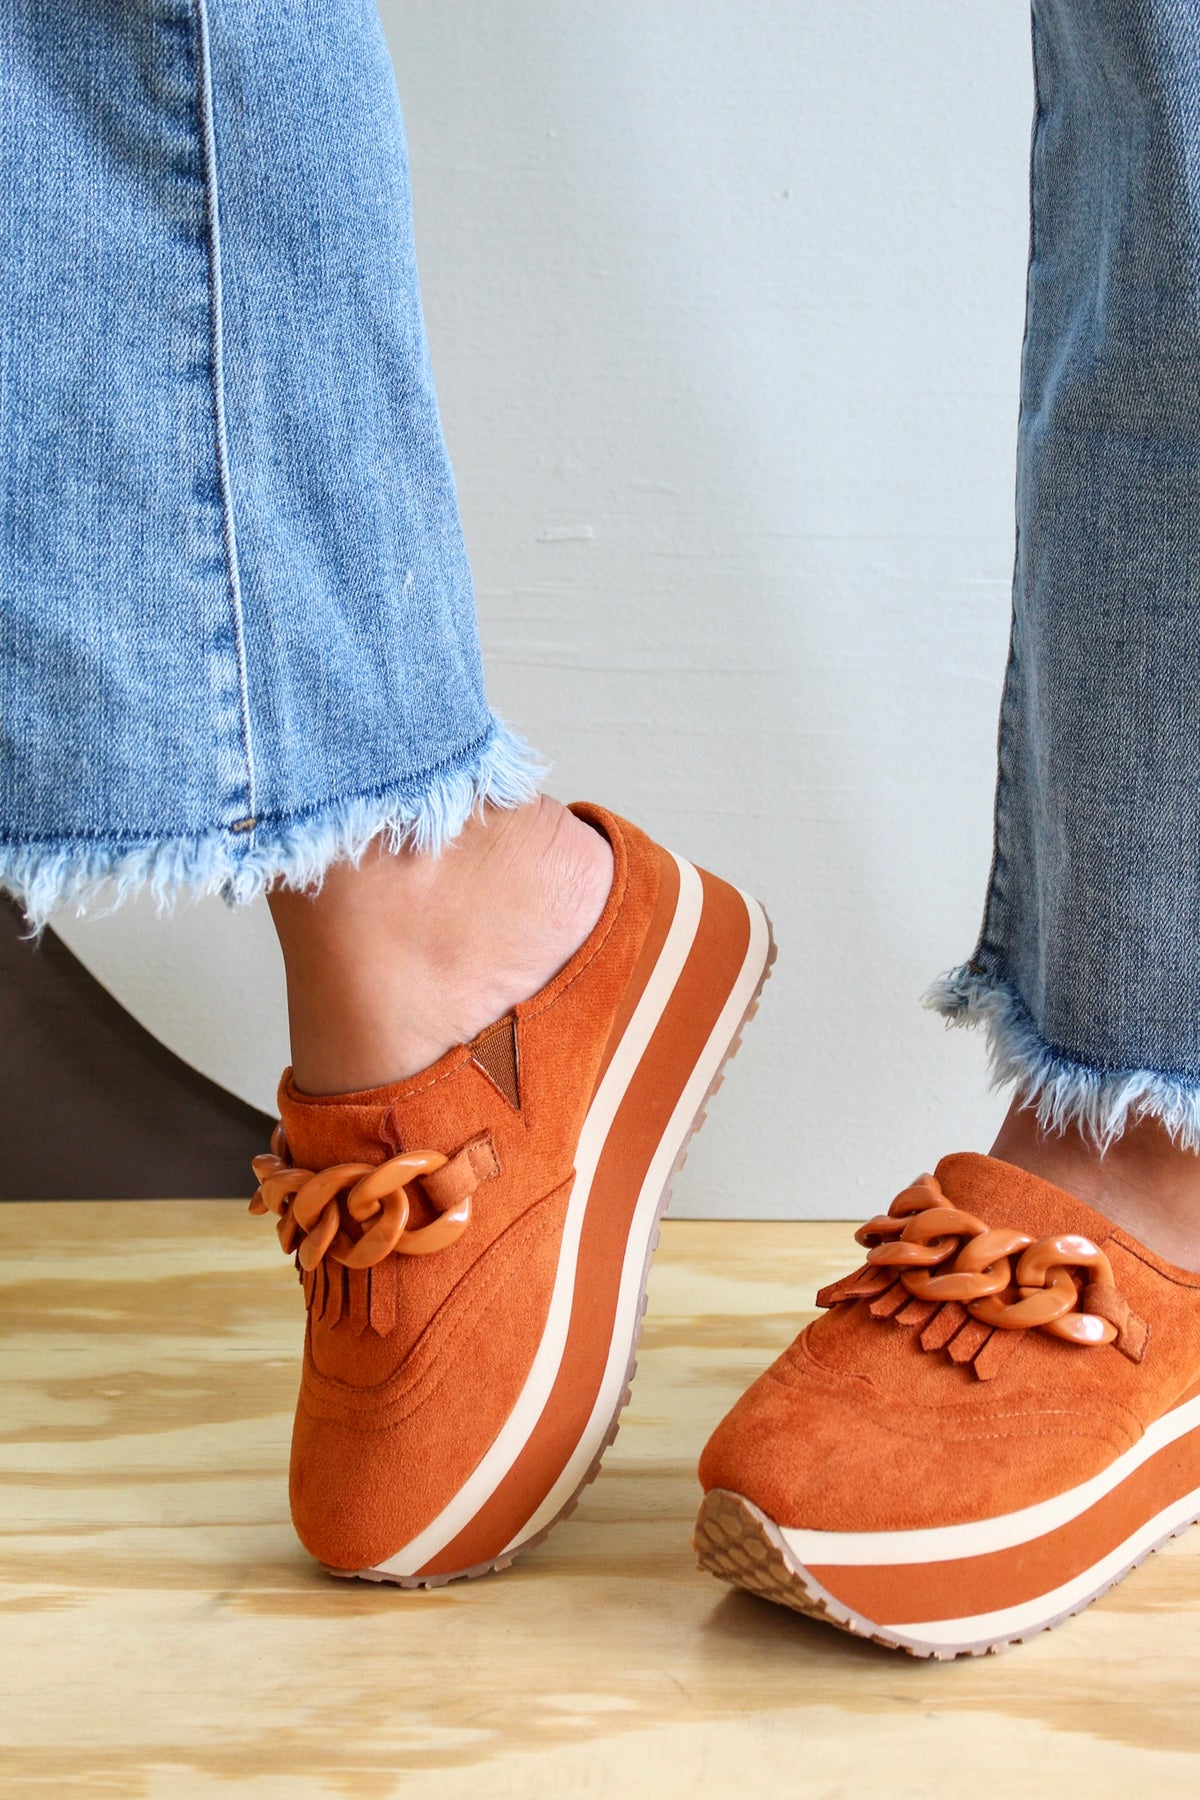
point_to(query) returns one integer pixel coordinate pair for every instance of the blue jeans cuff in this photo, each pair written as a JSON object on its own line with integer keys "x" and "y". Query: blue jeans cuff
{"x": 1063, "y": 1092}
{"x": 239, "y": 863}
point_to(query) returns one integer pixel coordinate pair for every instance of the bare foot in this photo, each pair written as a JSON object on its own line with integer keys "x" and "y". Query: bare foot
{"x": 1144, "y": 1181}
{"x": 391, "y": 964}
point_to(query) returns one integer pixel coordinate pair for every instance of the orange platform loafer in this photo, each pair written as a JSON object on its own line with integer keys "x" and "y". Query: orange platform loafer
{"x": 996, "y": 1418}
{"x": 473, "y": 1242}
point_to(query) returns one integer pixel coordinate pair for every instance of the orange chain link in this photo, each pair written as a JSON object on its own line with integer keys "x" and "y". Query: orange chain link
{"x": 923, "y": 1231}
{"x": 308, "y": 1206}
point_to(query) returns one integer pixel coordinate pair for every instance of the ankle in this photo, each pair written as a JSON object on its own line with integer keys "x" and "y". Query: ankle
{"x": 564, "y": 873}
{"x": 391, "y": 964}
{"x": 509, "y": 903}
{"x": 1144, "y": 1181}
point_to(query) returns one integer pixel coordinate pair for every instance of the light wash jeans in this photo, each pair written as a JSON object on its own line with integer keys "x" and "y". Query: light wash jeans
{"x": 237, "y": 627}
{"x": 1087, "y": 972}
{"x": 237, "y": 631}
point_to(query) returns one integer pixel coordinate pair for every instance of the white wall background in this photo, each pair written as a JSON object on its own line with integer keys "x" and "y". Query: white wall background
{"x": 726, "y": 308}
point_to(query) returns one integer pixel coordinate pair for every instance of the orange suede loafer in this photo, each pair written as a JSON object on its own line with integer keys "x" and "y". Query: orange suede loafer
{"x": 997, "y": 1418}
{"x": 473, "y": 1242}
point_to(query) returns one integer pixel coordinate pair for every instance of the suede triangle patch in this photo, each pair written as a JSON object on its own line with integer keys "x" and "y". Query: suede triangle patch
{"x": 494, "y": 1053}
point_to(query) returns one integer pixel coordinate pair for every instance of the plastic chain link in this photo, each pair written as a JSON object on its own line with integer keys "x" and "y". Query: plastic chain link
{"x": 944, "y": 1254}
{"x": 309, "y": 1205}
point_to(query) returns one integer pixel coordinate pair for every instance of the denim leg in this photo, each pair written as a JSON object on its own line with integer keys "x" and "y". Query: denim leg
{"x": 237, "y": 629}
{"x": 1087, "y": 972}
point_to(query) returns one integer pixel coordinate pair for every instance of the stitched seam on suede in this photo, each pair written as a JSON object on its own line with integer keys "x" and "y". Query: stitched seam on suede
{"x": 371, "y": 1107}
{"x": 437, "y": 1080}
{"x": 464, "y": 1062}
{"x": 427, "y": 1390}
{"x": 507, "y": 1252}
{"x": 502, "y": 1258}
{"x": 419, "y": 1387}
{"x": 1022, "y": 1432}
{"x": 1107, "y": 1414}
{"x": 835, "y": 1378}
{"x": 1182, "y": 1278}
{"x": 1107, "y": 1430}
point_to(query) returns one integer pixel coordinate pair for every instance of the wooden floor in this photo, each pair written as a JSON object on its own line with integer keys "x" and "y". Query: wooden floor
{"x": 162, "y": 1633}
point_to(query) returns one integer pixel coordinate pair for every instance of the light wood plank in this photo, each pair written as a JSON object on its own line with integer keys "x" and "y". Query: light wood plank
{"x": 164, "y": 1635}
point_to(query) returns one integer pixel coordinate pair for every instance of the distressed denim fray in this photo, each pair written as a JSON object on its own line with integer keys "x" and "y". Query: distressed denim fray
{"x": 237, "y": 630}
{"x": 1087, "y": 972}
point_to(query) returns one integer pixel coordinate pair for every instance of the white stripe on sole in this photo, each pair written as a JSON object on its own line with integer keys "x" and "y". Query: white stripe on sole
{"x": 646, "y": 1214}
{"x": 1046, "y": 1609}
{"x": 508, "y": 1443}
{"x": 946, "y": 1543}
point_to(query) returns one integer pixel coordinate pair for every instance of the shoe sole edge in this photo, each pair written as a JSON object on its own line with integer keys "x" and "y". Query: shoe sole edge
{"x": 739, "y": 1543}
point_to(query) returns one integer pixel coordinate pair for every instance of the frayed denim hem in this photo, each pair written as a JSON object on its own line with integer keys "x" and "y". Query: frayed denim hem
{"x": 1100, "y": 1103}
{"x": 97, "y": 877}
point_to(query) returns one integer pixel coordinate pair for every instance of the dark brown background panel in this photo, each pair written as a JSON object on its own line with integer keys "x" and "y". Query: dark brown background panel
{"x": 92, "y": 1107}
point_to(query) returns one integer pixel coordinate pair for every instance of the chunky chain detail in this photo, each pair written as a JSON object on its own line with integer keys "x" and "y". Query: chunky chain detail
{"x": 942, "y": 1254}
{"x": 309, "y": 1206}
